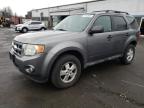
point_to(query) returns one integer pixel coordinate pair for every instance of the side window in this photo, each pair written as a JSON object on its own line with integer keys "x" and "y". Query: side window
{"x": 35, "y": 23}
{"x": 32, "y": 23}
{"x": 105, "y": 22}
{"x": 119, "y": 23}
{"x": 133, "y": 22}
{"x": 38, "y": 22}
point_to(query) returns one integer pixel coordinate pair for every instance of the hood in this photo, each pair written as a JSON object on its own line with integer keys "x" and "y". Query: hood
{"x": 19, "y": 25}
{"x": 44, "y": 37}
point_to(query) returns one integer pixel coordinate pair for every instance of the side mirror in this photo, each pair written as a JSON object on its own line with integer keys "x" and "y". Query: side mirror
{"x": 96, "y": 29}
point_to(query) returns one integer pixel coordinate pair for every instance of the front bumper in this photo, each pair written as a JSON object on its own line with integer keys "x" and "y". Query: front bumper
{"x": 22, "y": 64}
{"x": 18, "y": 28}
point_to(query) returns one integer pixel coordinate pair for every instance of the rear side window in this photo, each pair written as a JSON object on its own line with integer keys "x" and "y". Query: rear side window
{"x": 118, "y": 23}
{"x": 105, "y": 22}
{"x": 35, "y": 22}
{"x": 132, "y": 21}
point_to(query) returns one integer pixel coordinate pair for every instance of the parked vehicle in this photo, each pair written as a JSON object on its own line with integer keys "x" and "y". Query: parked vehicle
{"x": 30, "y": 26}
{"x": 75, "y": 43}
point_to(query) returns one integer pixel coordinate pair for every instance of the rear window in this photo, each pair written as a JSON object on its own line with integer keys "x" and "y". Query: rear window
{"x": 118, "y": 23}
{"x": 133, "y": 22}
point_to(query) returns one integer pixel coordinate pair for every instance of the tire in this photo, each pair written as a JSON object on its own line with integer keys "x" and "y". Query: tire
{"x": 128, "y": 55}
{"x": 43, "y": 29}
{"x": 24, "y": 30}
{"x": 66, "y": 71}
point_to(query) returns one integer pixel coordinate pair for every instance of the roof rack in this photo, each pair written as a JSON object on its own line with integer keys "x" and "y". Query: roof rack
{"x": 112, "y": 11}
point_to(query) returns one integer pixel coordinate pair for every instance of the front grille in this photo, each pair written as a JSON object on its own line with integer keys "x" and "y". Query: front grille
{"x": 18, "y": 48}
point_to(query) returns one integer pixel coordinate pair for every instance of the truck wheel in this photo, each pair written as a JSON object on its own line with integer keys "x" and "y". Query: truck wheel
{"x": 24, "y": 30}
{"x": 128, "y": 55}
{"x": 66, "y": 71}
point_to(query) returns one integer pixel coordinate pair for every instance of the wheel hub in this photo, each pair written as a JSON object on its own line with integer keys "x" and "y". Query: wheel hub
{"x": 130, "y": 55}
{"x": 68, "y": 72}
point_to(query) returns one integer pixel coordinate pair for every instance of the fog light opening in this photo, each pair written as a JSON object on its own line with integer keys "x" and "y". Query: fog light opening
{"x": 29, "y": 69}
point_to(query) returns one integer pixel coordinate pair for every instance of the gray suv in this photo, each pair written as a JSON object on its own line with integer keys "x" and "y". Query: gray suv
{"x": 75, "y": 43}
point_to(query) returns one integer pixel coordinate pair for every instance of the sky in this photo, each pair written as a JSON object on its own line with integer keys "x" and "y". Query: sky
{"x": 22, "y": 6}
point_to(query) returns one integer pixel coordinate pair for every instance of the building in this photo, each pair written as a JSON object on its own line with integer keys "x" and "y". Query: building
{"x": 52, "y": 15}
{"x": 28, "y": 15}
{"x": 16, "y": 20}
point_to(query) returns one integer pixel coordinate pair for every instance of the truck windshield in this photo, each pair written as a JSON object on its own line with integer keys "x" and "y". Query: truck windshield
{"x": 74, "y": 23}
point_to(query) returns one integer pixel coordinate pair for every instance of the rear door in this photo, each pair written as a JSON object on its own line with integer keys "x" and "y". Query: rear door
{"x": 34, "y": 25}
{"x": 120, "y": 34}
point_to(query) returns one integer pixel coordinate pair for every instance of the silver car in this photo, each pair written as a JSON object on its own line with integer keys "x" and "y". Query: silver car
{"x": 30, "y": 26}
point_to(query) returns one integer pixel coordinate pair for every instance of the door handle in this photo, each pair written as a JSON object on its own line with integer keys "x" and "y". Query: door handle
{"x": 127, "y": 34}
{"x": 109, "y": 37}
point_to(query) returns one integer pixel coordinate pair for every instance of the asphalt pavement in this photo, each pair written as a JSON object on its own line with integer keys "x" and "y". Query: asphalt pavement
{"x": 106, "y": 85}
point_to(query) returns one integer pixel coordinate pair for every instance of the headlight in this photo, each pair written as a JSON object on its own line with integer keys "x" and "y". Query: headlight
{"x": 30, "y": 50}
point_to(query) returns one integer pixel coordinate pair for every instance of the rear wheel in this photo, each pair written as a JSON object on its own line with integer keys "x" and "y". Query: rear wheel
{"x": 66, "y": 71}
{"x": 128, "y": 55}
{"x": 43, "y": 29}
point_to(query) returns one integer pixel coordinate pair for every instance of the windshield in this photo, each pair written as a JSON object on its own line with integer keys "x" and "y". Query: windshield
{"x": 28, "y": 22}
{"x": 74, "y": 23}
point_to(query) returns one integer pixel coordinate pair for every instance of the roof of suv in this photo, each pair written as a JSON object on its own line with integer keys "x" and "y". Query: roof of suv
{"x": 110, "y": 12}
{"x": 107, "y": 12}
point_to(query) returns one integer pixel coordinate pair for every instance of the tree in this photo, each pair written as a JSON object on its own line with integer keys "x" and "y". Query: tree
{"x": 7, "y": 12}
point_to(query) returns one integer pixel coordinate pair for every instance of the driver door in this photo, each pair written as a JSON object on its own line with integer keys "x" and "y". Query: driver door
{"x": 34, "y": 26}
{"x": 100, "y": 45}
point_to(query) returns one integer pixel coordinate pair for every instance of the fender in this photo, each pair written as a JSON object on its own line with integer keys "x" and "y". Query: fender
{"x": 56, "y": 51}
{"x": 129, "y": 40}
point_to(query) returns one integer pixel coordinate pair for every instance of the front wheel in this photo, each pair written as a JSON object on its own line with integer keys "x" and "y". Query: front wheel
{"x": 128, "y": 55}
{"x": 24, "y": 30}
{"x": 66, "y": 71}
